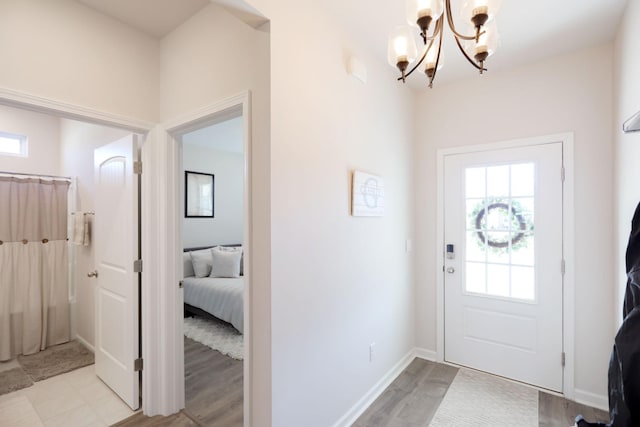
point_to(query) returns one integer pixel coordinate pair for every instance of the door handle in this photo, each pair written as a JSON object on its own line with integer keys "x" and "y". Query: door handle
{"x": 451, "y": 270}
{"x": 94, "y": 273}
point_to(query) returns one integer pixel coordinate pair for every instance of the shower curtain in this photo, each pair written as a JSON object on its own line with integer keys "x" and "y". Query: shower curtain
{"x": 34, "y": 289}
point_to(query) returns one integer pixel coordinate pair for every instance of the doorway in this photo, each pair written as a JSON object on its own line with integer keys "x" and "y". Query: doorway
{"x": 503, "y": 295}
{"x": 213, "y": 148}
{"x": 60, "y": 145}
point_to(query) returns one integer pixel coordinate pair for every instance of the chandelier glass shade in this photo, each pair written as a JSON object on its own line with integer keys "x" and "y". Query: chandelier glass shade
{"x": 428, "y": 16}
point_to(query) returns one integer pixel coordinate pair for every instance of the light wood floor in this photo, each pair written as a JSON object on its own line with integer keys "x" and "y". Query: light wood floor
{"x": 214, "y": 392}
{"x": 214, "y": 397}
{"x": 413, "y": 398}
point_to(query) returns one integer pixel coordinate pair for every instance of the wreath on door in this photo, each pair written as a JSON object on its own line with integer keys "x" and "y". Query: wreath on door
{"x": 508, "y": 215}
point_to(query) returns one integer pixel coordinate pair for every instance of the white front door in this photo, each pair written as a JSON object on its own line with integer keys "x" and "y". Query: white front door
{"x": 503, "y": 262}
{"x": 116, "y": 249}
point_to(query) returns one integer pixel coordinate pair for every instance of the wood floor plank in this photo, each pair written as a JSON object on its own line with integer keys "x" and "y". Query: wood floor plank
{"x": 556, "y": 411}
{"x": 412, "y": 399}
{"x": 213, "y": 392}
{"x": 214, "y": 386}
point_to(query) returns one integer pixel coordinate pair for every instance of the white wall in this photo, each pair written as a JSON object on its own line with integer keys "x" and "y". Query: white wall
{"x": 568, "y": 93}
{"x": 627, "y": 172}
{"x": 339, "y": 283}
{"x": 210, "y": 57}
{"x": 43, "y": 144}
{"x": 77, "y": 142}
{"x": 65, "y": 51}
{"x": 228, "y": 169}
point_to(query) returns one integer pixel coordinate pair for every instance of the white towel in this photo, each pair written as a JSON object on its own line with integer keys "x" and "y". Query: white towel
{"x": 80, "y": 229}
{"x": 87, "y": 227}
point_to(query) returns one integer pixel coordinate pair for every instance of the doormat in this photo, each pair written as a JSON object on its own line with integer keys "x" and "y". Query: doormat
{"x": 14, "y": 379}
{"x": 477, "y": 399}
{"x": 56, "y": 360}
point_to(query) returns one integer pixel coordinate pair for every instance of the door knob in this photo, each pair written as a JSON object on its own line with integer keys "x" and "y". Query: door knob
{"x": 451, "y": 270}
{"x": 94, "y": 273}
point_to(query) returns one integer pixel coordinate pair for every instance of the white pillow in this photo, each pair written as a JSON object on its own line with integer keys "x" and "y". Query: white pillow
{"x": 226, "y": 263}
{"x": 202, "y": 261}
{"x": 187, "y": 265}
{"x": 235, "y": 249}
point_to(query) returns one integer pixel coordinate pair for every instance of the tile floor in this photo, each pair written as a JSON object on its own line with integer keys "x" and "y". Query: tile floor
{"x": 74, "y": 399}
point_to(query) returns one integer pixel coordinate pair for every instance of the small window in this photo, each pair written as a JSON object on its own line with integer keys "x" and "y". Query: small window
{"x": 13, "y": 145}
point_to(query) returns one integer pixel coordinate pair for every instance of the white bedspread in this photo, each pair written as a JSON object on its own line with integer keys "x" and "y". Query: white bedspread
{"x": 218, "y": 296}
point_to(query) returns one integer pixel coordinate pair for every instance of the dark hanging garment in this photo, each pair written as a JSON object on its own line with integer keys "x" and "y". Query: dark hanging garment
{"x": 624, "y": 367}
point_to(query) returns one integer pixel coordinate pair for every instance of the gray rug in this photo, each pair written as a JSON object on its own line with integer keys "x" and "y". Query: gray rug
{"x": 14, "y": 379}
{"x": 217, "y": 335}
{"x": 56, "y": 360}
{"x": 476, "y": 399}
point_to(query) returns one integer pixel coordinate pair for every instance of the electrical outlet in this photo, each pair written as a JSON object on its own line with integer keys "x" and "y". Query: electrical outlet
{"x": 372, "y": 351}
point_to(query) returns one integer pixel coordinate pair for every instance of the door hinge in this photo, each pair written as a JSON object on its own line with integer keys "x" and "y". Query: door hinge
{"x": 562, "y": 174}
{"x": 564, "y": 358}
{"x": 563, "y": 267}
{"x": 137, "y": 364}
{"x": 137, "y": 266}
{"x": 137, "y": 167}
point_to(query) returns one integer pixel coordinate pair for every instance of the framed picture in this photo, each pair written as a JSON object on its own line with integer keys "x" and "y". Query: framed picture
{"x": 367, "y": 195}
{"x": 198, "y": 192}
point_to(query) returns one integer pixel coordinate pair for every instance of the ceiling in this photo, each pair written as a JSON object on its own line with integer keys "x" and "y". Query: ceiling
{"x": 156, "y": 18}
{"x": 529, "y": 30}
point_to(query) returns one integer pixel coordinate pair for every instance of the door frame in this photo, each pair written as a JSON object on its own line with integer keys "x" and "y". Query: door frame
{"x": 216, "y": 112}
{"x": 568, "y": 249}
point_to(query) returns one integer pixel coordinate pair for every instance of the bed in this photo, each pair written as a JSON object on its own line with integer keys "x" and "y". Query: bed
{"x": 220, "y": 297}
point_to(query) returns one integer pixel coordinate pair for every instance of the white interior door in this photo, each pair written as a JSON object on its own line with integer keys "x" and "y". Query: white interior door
{"x": 116, "y": 249}
{"x": 503, "y": 263}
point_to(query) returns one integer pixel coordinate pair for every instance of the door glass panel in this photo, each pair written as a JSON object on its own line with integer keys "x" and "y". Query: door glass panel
{"x": 498, "y": 280}
{"x": 499, "y": 250}
{"x": 521, "y": 180}
{"x": 498, "y": 181}
{"x": 475, "y": 250}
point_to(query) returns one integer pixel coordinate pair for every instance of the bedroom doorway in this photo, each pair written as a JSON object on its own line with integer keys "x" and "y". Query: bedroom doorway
{"x": 214, "y": 218}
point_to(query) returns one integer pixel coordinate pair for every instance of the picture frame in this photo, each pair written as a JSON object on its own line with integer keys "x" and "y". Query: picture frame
{"x": 367, "y": 195}
{"x": 199, "y": 190}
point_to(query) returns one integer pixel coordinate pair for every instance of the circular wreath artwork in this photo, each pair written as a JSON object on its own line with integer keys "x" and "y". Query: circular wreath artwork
{"x": 509, "y": 218}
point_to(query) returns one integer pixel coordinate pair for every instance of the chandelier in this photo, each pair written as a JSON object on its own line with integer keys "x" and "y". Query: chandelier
{"x": 476, "y": 47}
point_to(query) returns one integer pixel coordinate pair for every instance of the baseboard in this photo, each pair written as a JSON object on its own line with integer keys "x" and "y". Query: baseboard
{"x": 591, "y": 399}
{"x": 358, "y": 409}
{"x": 425, "y": 354}
{"x": 85, "y": 343}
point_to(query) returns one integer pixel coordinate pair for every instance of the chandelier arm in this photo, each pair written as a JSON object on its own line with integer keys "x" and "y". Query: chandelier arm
{"x": 435, "y": 70}
{"x": 471, "y": 61}
{"x": 452, "y": 25}
{"x": 424, "y": 55}
{"x": 437, "y": 30}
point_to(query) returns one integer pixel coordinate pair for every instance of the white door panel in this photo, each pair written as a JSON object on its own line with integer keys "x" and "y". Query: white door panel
{"x": 116, "y": 249}
{"x": 503, "y": 283}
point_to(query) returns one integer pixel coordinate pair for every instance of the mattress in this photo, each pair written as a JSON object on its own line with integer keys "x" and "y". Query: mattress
{"x": 221, "y": 297}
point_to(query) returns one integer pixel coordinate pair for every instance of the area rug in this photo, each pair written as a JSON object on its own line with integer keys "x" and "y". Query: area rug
{"x": 56, "y": 360}
{"x": 478, "y": 399}
{"x": 14, "y": 379}
{"x": 217, "y": 335}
